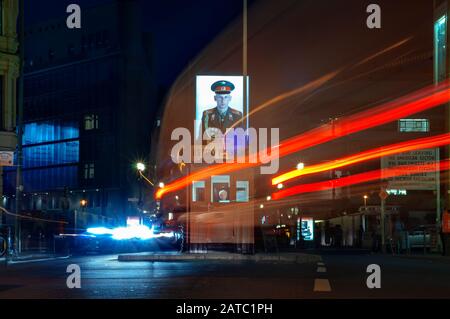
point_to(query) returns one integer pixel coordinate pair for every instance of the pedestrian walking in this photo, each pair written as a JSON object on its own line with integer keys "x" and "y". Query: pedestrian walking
{"x": 399, "y": 229}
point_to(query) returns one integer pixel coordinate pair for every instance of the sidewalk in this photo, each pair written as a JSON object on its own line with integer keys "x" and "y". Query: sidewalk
{"x": 429, "y": 257}
{"x": 298, "y": 258}
{"x": 342, "y": 251}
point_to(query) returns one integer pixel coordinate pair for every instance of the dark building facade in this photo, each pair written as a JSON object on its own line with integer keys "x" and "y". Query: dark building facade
{"x": 88, "y": 102}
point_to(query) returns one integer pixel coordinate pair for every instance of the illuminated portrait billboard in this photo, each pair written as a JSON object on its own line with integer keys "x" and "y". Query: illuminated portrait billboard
{"x": 219, "y": 104}
{"x": 305, "y": 225}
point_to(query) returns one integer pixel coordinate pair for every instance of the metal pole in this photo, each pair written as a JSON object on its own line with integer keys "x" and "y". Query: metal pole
{"x": 447, "y": 106}
{"x": 438, "y": 203}
{"x": 244, "y": 230}
{"x": 19, "y": 128}
{"x": 383, "y": 205}
{"x": 187, "y": 234}
{"x": 75, "y": 221}
{"x": 244, "y": 53}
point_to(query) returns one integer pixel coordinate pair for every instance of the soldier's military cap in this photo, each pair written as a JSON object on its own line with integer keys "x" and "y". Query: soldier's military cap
{"x": 222, "y": 87}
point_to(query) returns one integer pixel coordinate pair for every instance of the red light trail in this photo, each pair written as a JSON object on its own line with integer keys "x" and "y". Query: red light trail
{"x": 413, "y": 103}
{"x": 417, "y": 144}
{"x": 362, "y": 178}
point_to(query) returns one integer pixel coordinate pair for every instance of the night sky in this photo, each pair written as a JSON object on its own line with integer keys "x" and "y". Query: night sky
{"x": 200, "y": 21}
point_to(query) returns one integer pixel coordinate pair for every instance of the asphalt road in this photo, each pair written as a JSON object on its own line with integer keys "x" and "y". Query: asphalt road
{"x": 344, "y": 276}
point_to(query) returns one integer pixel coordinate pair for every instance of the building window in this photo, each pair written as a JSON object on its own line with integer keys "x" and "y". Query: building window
{"x": 89, "y": 171}
{"x": 413, "y": 125}
{"x": 220, "y": 189}
{"x": 198, "y": 191}
{"x": 242, "y": 191}
{"x": 440, "y": 27}
{"x": 91, "y": 122}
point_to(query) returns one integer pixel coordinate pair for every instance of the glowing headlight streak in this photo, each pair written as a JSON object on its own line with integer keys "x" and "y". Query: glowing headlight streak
{"x": 361, "y": 178}
{"x": 417, "y": 144}
{"x": 427, "y": 98}
{"x": 99, "y": 231}
{"x": 135, "y": 231}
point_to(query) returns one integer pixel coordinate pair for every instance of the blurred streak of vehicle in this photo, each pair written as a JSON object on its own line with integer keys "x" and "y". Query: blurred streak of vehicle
{"x": 118, "y": 240}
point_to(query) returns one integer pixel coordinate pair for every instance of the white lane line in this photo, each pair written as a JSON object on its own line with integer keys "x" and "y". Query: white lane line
{"x": 322, "y": 285}
{"x": 321, "y": 269}
{"x": 320, "y": 264}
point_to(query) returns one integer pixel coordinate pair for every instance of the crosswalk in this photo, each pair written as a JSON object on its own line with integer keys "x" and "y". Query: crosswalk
{"x": 321, "y": 284}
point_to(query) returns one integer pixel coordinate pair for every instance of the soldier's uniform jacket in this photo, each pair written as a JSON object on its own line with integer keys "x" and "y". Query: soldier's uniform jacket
{"x": 213, "y": 119}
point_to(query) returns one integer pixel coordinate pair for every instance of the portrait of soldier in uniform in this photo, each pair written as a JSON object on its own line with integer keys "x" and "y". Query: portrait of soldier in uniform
{"x": 221, "y": 117}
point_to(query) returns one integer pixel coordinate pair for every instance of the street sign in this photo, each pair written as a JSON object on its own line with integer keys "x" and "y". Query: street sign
{"x": 383, "y": 194}
{"x": 423, "y": 179}
{"x": 6, "y": 158}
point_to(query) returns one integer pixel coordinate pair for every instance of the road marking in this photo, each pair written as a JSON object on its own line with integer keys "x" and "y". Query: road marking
{"x": 320, "y": 264}
{"x": 321, "y": 269}
{"x": 322, "y": 285}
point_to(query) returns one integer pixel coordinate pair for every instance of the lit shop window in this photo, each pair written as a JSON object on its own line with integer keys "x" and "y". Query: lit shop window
{"x": 242, "y": 191}
{"x": 220, "y": 189}
{"x": 89, "y": 171}
{"x": 198, "y": 191}
{"x": 440, "y": 43}
{"x": 414, "y": 125}
{"x": 90, "y": 122}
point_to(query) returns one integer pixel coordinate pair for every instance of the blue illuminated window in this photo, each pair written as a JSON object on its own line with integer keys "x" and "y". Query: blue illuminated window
{"x": 49, "y": 131}
{"x": 413, "y": 125}
{"x": 51, "y": 154}
{"x": 440, "y": 43}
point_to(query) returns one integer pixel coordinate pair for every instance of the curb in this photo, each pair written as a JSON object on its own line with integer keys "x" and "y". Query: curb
{"x": 31, "y": 260}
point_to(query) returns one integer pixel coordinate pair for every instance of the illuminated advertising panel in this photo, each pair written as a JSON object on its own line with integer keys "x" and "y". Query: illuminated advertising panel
{"x": 305, "y": 225}
{"x": 219, "y": 104}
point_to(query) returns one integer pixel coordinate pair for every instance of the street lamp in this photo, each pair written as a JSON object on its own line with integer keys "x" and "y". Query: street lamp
{"x": 365, "y": 201}
{"x": 140, "y": 167}
{"x": 280, "y": 186}
{"x": 161, "y": 185}
{"x": 269, "y": 198}
{"x": 300, "y": 166}
{"x": 83, "y": 204}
